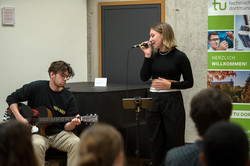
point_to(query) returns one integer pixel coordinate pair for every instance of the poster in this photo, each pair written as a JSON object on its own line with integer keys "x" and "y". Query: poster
{"x": 229, "y": 55}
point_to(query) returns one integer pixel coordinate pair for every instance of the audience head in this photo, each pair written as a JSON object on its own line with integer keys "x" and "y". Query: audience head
{"x": 16, "y": 145}
{"x": 225, "y": 144}
{"x": 101, "y": 145}
{"x": 209, "y": 106}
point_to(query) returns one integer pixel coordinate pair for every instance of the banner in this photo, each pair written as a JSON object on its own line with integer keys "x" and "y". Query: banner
{"x": 229, "y": 55}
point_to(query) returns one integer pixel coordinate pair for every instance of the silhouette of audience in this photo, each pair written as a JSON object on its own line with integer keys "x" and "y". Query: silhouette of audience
{"x": 225, "y": 144}
{"x": 207, "y": 107}
{"x": 15, "y": 145}
{"x": 101, "y": 145}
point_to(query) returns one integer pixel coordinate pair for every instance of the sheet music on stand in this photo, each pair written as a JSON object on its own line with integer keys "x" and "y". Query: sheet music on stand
{"x": 134, "y": 103}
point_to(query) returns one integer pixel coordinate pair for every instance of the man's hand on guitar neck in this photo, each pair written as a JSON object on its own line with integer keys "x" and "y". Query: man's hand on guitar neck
{"x": 18, "y": 116}
{"x": 74, "y": 122}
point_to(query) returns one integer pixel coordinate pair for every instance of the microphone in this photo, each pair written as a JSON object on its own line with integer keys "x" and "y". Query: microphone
{"x": 140, "y": 45}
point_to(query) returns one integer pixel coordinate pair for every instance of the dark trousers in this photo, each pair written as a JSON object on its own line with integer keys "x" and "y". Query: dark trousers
{"x": 165, "y": 124}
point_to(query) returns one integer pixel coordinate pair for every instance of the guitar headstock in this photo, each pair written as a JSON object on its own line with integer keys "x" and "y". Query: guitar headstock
{"x": 92, "y": 118}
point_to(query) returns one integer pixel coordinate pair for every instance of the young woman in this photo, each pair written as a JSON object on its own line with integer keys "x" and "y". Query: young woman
{"x": 165, "y": 64}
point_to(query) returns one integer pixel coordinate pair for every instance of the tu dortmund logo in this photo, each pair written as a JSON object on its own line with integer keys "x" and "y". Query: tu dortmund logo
{"x": 219, "y": 3}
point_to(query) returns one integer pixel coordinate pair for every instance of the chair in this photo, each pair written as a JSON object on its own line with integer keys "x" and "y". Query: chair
{"x": 53, "y": 154}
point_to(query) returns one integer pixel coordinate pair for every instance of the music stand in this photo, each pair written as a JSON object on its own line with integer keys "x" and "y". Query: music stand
{"x": 138, "y": 104}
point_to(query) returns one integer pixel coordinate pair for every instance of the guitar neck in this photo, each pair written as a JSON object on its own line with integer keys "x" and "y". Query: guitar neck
{"x": 90, "y": 118}
{"x": 55, "y": 119}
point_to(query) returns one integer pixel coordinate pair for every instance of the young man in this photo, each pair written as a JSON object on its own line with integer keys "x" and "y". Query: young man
{"x": 207, "y": 107}
{"x": 52, "y": 95}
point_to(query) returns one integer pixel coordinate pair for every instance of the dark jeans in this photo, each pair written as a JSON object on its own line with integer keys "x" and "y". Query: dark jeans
{"x": 165, "y": 124}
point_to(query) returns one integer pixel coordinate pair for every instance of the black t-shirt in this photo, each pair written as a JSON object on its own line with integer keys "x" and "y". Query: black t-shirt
{"x": 38, "y": 93}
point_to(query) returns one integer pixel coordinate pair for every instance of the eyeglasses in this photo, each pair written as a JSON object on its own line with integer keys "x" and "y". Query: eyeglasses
{"x": 64, "y": 76}
{"x": 215, "y": 39}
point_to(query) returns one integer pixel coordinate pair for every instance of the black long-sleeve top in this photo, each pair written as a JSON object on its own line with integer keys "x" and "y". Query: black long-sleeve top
{"x": 38, "y": 93}
{"x": 170, "y": 66}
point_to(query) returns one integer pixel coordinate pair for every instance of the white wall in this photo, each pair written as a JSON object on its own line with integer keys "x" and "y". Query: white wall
{"x": 44, "y": 31}
{"x": 189, "y": 21}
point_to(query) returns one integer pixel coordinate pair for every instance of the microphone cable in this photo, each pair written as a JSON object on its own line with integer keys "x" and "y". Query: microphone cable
{"x": 127, "y": 70}
{"x": 127, "y": 67}
{"x": 127, "y": 82}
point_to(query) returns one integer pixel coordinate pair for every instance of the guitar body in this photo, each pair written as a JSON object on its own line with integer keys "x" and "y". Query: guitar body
{"x": 42, "y": 117}
{"x": 33, "y": 115}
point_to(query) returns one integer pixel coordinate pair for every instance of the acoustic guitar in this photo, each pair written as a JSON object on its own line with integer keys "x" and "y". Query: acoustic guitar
{"x": 41, "y": 117}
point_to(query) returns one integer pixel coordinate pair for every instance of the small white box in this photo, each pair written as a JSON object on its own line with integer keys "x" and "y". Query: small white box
{"x": 102, "y": 82}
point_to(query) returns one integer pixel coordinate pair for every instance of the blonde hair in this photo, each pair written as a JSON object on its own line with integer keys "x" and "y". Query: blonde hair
{"x": 168, "y": 35}
{"x": 100, "y": 145}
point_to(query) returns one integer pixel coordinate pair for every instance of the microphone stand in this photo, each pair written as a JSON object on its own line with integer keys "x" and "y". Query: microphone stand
{"x": 138, "y": 105}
